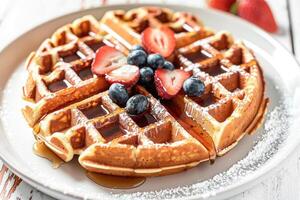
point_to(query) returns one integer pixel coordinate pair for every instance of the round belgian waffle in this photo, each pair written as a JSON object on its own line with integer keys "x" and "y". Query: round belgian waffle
{"x": 73, "y": 114}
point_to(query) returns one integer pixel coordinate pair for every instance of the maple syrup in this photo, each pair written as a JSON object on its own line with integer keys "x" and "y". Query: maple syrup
{"x": 95, "y": 111}
{"x": 206, "y": 100}
{"x": 85, "y": 74}
{"x": 111, "y": 131}
{"x": 197, "y": 56}
{"x": 176, "y": 109}
{"x": 215, "y": 70}
{"x": 70, "y": 58}
{"x": 115, "y": 182}
{"x": 96, "y": 46}
{"x": 144, "y": 120}
{"x": 40, "y": 149}
{"x": 58, "y": 85}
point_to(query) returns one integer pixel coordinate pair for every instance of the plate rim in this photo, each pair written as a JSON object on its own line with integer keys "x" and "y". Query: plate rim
{"x": 260, "y": 174}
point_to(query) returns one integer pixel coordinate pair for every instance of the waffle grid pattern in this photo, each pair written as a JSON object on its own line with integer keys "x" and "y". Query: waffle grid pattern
{"x": 178, "y": 134}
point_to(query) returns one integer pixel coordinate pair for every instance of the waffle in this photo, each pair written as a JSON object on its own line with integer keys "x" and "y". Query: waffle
{"x": 126, "y": 27}
{"x": 59, "y": 71}
{"x": 80, "y": 119}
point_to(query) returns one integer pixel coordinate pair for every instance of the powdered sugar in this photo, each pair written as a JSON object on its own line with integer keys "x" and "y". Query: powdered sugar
{"x": 264, "y": 148}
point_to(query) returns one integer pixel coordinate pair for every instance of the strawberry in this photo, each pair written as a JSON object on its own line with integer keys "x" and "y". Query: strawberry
{"x": 224, "y": 5}
{"x": 259, "y": 13}
{"x": 168, "y": 83}
{"x": 107, "y": 59}
{"x": 159, "y": 40}
{"x": 128, "y": 75}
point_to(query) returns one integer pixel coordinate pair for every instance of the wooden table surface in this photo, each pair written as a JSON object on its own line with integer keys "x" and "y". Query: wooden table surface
{"x": 18, "y": 16}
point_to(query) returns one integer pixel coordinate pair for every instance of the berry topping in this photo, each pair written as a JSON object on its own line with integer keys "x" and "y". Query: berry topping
{"x": 155, "y": 61}
{"x": 169, "y": 83}
{"x": 168, "y": 65}
{"x": 127, "y": 75}
{"x": 146, "y": 75}
{"x": 159, "y": 40}
{"x": 107, "y": 59}
{"x": 193, "y": 87}
{"x": 137, "y": 47}
{"x": 137, "y": 104}
{"x": 137, "y": 57}
{"x": 118, "y": 94}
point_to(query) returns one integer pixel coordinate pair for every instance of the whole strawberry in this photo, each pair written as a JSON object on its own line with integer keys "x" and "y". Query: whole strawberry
{"x": 259, "y": 13}
{"x": 224, "y": 5}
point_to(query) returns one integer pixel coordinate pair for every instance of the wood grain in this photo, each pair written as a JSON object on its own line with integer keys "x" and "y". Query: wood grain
{"x": 10, "y": 183}
{"x": 285, "y": 184}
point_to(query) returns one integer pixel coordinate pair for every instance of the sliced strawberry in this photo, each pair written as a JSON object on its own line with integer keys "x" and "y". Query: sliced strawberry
{"x": 128, "y": 75}
{"x": 107, "y": 59}
{"x": 159, "y": 40}
{"x": 169, "y": 83}
{"x": 259, "y": 13}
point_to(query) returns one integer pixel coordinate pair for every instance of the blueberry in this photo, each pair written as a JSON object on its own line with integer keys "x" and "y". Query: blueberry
{"x": 118, "y": 94}
{"x": 146, "y": 75}
{"x": 137, "y": 57}
{"x": 155, "y": 61}
{"x": 137, "y": 104}
{"x": 193, "y": 87}
{"x": 168, "y": 65}
{"x": 137, "y": 47}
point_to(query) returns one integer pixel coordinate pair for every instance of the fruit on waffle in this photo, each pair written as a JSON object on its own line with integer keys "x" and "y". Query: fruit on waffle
{"x": 144, "y": 92}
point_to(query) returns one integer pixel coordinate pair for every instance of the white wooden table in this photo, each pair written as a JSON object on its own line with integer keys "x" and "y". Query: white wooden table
{"x": 17, "y": 16}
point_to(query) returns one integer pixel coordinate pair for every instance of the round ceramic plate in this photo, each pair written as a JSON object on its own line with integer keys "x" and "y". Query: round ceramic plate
{"x": 250, "y": 161}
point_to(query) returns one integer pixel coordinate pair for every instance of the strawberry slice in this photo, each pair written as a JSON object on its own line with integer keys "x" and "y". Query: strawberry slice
{"x": 107, "y": 59}
{"x": 159, "y": 40}
{"x": 169, "y": 83}
{"x": 128, "y": 75}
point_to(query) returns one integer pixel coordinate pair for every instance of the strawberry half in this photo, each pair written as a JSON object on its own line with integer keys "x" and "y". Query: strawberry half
{"x": 159, "y": 40}
{"x": 259, "y": 13}
{"x": 169, "y": 83}
{"x": 128, "y": 75}
{"x": 107, "y": 59}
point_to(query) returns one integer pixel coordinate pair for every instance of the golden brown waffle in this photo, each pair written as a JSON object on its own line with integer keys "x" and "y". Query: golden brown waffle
{"x": 234, "y": 96}
{"x": 175, "y": 134}
{"x": 59, "y": 71}
{"x": 126, "y": 27}
{"x": 110, "y": 141}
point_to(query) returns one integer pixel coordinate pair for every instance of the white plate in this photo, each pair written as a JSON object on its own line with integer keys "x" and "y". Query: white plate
{"x": 239, "y": 170}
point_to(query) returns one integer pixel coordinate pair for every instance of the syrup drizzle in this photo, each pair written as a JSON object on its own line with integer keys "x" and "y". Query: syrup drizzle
{"x": 59, "y": 85}
{"x": 109, "y": 181}
{"x": 144, "y": 120}
{"x": 115, "y": 182}
{"x": 176, "y": 108}
{"x": 40, "y": 149}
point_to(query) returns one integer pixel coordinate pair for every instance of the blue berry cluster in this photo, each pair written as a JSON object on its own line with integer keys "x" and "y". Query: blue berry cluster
{"x": 147, "y": 63}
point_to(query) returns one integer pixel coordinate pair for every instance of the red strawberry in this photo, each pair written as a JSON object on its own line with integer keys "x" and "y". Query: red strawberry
{"x": 128, "y": 75}
{"x": 169, "y": 83}
{"x": 259, "y": 13}
{"x": 224, "y": 5}
{"x": 159, "y": 40}
{"x": 107, "y": 59}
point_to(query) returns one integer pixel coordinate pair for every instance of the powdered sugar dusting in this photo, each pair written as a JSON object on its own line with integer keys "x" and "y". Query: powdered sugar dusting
{"x": 264, "y": 148}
